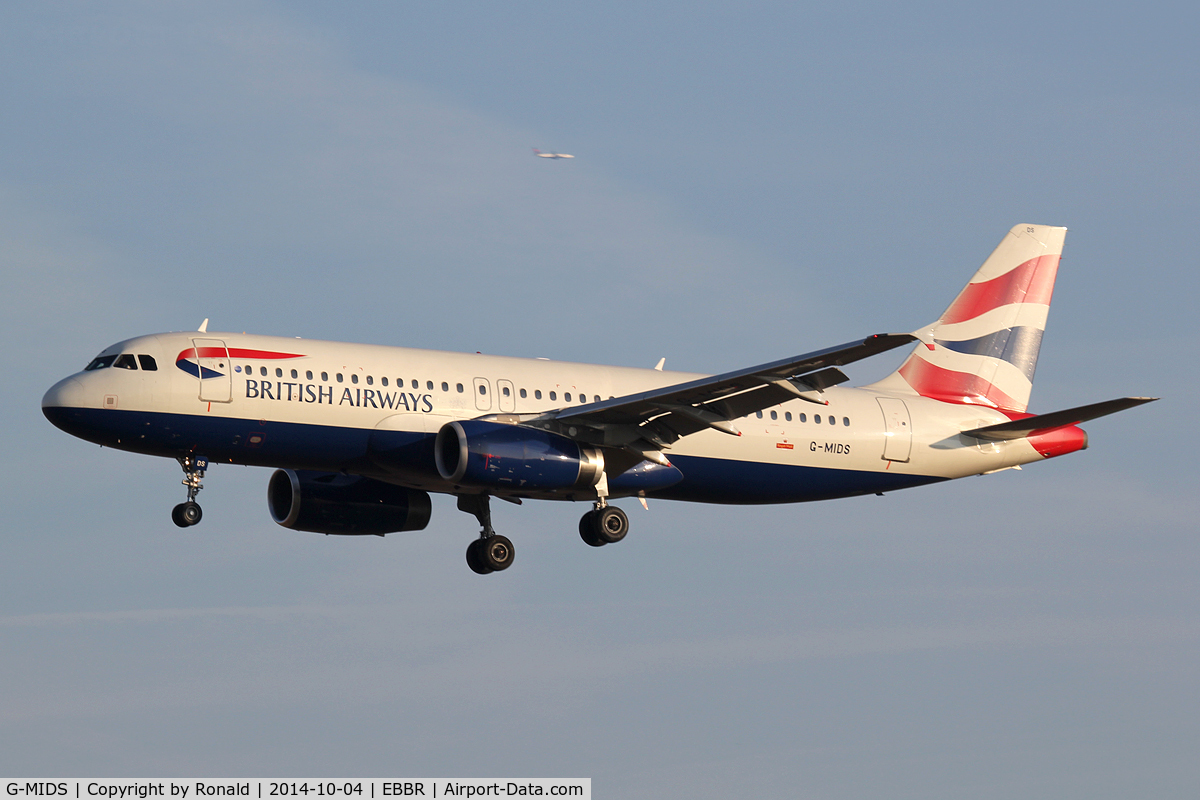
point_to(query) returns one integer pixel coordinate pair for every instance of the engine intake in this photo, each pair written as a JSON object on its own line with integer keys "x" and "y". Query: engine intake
{"x": 330, "y": 502}
{"x": 492, "y": 454}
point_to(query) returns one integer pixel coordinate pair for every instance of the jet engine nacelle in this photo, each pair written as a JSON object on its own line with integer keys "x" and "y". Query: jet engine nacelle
{"x": 330, "y": 502}
{"x": 492, "y": 454}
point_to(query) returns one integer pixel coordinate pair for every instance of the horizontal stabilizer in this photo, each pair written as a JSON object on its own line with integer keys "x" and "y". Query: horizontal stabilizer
{"x": 1019, "y": 429}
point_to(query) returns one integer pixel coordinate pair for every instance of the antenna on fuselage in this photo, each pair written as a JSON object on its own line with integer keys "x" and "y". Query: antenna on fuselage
{"x": 203, "y": 326}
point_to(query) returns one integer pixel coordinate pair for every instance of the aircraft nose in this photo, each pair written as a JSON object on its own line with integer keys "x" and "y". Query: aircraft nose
{"x": 60, "y": 398}
{"x": 67, "y": 393}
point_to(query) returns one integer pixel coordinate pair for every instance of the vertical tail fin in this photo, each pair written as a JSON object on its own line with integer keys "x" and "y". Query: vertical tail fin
{"x": 984, "y": 348}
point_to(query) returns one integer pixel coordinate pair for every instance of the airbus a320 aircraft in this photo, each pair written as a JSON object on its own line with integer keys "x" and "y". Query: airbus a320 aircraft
{"x": 540, "y": 154}
{"x": 361, "y": 434}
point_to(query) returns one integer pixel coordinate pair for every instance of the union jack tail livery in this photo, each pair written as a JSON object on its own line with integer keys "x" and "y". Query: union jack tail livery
{"x": 984, "y": 348}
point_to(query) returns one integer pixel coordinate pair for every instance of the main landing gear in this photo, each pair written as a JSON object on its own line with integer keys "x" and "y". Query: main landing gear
{"x": 491, "y": 552}
{"x": 604, "y": 524}
{"x": 187, "y": 514}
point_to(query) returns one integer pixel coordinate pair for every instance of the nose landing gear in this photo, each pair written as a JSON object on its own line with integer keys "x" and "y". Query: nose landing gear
{"x": 187, "y": 514}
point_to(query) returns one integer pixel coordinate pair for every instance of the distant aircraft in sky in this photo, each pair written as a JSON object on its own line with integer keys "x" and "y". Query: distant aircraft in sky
{"x": 540, "y": 154}
{"x": 361, "y": 434}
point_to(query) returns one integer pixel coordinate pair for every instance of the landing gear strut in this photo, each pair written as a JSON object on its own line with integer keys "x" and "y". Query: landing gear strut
{"x": 187, "y": 514}
{"x": 491, "y": 552}
{"x": 604, "y": 524}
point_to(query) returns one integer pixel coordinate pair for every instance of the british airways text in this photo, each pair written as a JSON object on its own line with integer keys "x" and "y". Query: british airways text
{"x": 290, "y": 391}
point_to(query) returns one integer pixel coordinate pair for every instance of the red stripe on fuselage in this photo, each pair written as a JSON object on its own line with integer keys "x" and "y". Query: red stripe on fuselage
{"x": 1031, "y": 282}
{"x": 234, "y": 352}
{"x": 1051, "y": 442}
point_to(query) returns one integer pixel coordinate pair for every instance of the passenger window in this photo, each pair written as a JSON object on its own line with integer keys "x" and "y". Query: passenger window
{"x": 383, "y": 381}
{"x": 325, "y": 376}
{"x": 554, "y": 395}
{"x": 100, "y": 362}
{"x": 846, "y": 421}
{"x": 537, "y": 394}
{"x": 523, "y": 395}
{"x": 817, "y": 418}
{"x": 308, "y": 375}
{"x": 125, "y": 361}
{"x": 278, "y": 372}
{"x": 459, "y": 386}
{"x": 567, "y": 397}
{"x": 445, "y": 386}
{"x": 295, "y": 374}
{"x": 339, "y": 377}
{"x": 416, "y": 384}
{"x": 482, "y": 389}
{"x": 804, "y": 417}
{"x": 429, "y": 385}
{"x": 262, "y": 371}
{"x": 148, "y": 363}
{"x": 787, "y": 415}
{"x": 758, "y": 414}
{"x": 370, "y": 381}
{"x": 774, "y": 415}
{"x": 353, "y": 378}
{"x": 506, "y": 392}
{"x": 596, "y": 398}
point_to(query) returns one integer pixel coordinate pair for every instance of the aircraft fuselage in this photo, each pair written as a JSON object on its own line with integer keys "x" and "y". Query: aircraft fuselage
{"x": 375, "y": 411}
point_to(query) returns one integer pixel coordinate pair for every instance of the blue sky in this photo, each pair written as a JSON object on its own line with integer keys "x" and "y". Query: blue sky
{"x": 751, "y": 181}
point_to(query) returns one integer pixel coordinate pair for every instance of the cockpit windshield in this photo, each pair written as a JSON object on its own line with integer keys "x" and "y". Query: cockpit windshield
{"x": 100, "y": 362}
{"x": 123, "y": 361}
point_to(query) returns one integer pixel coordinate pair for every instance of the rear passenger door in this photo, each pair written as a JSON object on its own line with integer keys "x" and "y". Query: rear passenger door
{"x": 897, "y": 426}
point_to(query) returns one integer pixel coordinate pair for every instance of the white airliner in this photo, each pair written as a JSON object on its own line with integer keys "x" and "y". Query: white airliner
{"x": 540, "y": 154}
{"x": 360, "y": 434}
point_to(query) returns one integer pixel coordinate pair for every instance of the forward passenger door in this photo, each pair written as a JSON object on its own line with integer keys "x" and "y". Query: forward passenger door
{"x": 216, "y": 374}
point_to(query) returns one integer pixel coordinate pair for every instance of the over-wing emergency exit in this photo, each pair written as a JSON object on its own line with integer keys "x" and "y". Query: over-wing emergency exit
{"x": 360, "y": 435}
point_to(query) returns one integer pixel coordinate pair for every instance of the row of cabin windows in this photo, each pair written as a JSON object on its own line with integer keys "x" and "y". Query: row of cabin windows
{"x": 370, "y": 381}
{"x": 123, "y": 361}
{"x": 127, "y": 361}
{"x": 787, "y": 415}
{"x": 537, "y": 393}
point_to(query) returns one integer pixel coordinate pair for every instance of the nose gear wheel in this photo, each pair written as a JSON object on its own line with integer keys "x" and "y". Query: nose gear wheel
{"x": 189, "y": 513}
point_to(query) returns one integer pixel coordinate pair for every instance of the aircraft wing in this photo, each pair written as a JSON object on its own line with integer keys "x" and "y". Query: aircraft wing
{"x": 655, "y": 419}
